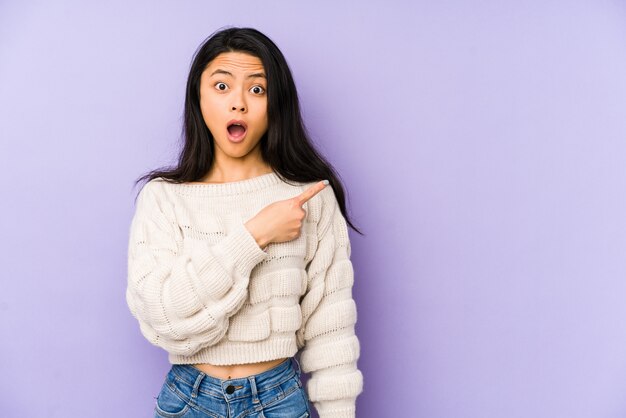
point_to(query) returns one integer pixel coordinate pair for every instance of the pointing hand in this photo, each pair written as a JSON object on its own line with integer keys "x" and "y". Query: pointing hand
{"x": 281, "y": 221}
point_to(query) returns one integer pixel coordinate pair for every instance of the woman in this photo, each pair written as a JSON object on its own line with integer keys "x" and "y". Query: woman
{"x": 239, "y": 257}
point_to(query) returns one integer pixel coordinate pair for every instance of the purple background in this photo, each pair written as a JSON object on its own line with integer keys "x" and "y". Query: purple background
{"x": 483, "y": 146}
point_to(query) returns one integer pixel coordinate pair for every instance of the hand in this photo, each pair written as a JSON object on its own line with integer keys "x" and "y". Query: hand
{"x": 281, "y": 221}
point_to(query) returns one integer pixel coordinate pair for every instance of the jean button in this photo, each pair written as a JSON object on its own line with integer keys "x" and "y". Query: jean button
{"x": 230, "y": 389}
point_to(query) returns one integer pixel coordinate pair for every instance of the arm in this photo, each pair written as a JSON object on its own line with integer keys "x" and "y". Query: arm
{"x": 183, "y": 297}
{"x": 331, "y": 348}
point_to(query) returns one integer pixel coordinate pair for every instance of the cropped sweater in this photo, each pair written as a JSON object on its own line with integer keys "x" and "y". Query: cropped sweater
{"x": 202, "y": 289}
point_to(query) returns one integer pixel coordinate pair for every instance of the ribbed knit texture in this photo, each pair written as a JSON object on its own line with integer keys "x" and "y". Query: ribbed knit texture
{"x": 203, "y": 290}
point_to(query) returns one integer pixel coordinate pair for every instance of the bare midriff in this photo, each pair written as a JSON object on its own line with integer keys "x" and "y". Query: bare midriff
{"x": 236, "y": 371}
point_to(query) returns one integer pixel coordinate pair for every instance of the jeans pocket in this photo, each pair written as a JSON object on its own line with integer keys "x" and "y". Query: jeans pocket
{"x": 294, "y": 403}
{"x": 170, "y": 403}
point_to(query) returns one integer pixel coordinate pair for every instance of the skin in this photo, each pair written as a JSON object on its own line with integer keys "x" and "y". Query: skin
{"x": 233, "y": 86}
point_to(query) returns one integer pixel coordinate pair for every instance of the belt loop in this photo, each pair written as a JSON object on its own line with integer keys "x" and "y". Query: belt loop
{"x": 196, "y": 385}
{"x": 255, "y": 397}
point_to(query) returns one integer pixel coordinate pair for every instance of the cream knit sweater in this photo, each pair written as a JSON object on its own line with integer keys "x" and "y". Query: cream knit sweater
{"x": 203, "y": 290}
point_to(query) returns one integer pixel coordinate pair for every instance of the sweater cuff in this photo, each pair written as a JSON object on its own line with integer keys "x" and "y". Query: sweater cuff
{"x": 240, "y": 250}
{"x": 243, "y": 248}
{"x": 341, "y": 408}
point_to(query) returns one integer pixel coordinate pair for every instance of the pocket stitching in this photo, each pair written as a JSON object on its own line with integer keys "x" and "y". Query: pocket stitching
{"x": 174, "y": 392}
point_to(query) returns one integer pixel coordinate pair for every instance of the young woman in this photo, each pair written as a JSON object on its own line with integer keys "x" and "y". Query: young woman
{"x": 239, "y": 257}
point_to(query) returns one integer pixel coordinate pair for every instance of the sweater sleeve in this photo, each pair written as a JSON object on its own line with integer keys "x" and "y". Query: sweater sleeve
{"x": 183, "y": 292}
{"x": 330, "y": 346}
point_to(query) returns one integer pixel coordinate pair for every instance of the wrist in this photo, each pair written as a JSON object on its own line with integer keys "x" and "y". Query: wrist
{"x": 261, "y": 240}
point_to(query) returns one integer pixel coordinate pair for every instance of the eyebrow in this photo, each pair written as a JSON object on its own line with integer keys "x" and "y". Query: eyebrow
{"x": 255, "y": 75}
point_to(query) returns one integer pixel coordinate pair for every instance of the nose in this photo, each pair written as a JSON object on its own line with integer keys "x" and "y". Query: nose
{"x": 239, "y": 102}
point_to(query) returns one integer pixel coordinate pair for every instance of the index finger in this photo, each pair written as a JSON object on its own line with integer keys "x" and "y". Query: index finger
{"x": 311, "y": 191}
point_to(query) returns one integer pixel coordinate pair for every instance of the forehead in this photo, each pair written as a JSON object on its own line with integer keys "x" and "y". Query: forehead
{"x": 235, "y": 62}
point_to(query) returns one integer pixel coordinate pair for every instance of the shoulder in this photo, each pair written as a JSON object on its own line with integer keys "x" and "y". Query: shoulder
{"x": 152, "y": 192}
{"x": 156, "y": 184}
{"x": 159, "y": 186}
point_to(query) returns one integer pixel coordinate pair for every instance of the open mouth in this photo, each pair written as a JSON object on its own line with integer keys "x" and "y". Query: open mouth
{"x": 237, "y": 129}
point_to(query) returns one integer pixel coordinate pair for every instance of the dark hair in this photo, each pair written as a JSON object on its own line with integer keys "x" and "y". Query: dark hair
{"x": 286, "y": 145}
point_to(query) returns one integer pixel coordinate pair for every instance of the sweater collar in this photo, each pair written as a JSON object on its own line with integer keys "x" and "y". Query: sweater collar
{"x": 229, "y": 188}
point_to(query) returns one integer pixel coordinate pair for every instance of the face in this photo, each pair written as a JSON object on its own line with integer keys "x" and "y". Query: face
{"x": 233, "y": 100}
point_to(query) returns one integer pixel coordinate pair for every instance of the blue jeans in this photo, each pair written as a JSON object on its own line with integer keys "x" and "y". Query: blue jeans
{"x": 276, "y": 393}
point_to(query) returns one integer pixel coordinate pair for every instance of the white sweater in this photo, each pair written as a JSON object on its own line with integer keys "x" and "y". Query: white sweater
{"x": 203, "y": 290}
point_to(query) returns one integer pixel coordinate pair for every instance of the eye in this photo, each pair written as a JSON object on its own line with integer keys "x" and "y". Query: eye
{"x": 257, "y": 90}
{"x": 221, "y": 86}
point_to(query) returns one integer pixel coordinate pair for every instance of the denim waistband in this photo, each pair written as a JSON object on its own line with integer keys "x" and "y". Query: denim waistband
{"x": 246, "y": 386}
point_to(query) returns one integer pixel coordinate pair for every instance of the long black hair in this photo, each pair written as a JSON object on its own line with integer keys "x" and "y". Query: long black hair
{"x": 286, "y": 145}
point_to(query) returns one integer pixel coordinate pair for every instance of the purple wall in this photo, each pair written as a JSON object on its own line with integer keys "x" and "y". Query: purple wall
{"x": 483, "y": 146}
